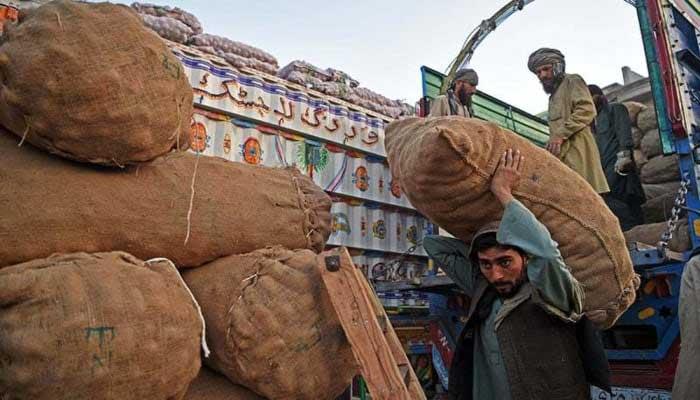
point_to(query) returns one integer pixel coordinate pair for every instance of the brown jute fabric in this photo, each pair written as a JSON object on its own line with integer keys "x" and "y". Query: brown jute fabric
{"x": 637, "y": 136}
{"x": 661, "y": 169}
{"x": 89, "y": 82}
{"x": 651, "y": 234}
{"x": 96, "y": 326}
{"x": 51, "y": 205}
{"x": 271, "y": 326}
{"x": 633, "y": 109}
{"x": 650, "y": 144}
{"x": 646, "y": 119}
{"x": 445, "y": 166}
{"x": 659, "y": 208}
{"x": 654, "y": 190}
{"x": 210, "y": 385}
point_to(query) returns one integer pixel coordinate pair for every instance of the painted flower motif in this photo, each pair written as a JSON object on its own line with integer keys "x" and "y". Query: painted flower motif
{"x": 395, "y": 188}
{"x": 341, "y": 223}
{"x": 198, "y": 137}
{"x": 251, "y": 151}
{"x": 379, "y": 229}
{"x": 412, "y": 234}
{"x": 361, "y": 178}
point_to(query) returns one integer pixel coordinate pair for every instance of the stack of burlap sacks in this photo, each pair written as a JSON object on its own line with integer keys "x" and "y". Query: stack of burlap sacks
{"x": 660, "y": 176}
{"x": 445, "y": 165}
{"x": 182, "y": 27}
{"x": 337, "y": 83}
{"x": 100, "y": 209}
{"x": 179, "y": 26}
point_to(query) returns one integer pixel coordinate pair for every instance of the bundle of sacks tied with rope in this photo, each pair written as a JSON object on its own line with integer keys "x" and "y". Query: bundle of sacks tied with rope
{"x": 123, "y": 256}
{"x": 445, "y": 165}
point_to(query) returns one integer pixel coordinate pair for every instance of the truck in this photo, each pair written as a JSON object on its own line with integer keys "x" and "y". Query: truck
{"x": 249, "y": 116}
{"x": 643, "y": 346}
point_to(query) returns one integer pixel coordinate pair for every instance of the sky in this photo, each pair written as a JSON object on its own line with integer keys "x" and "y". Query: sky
{"x": 383, "y": 43}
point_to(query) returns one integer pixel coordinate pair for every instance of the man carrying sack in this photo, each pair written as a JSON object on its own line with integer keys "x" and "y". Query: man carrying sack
{"x": 458, "y": 99}
{"x": 525, "y": 337}
{"x": 571, "y": 112}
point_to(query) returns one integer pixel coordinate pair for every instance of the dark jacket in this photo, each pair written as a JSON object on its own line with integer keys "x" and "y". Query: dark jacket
{"x": 545, "y": 357}
{"x": 613, "y": 133}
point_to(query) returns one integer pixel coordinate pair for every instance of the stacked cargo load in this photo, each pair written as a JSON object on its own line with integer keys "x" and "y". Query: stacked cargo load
{"x": 660, "y": 180}
{"x": 269, "y": 121}
{"x": 176, "y": 25}
{"x": 104, "y": 210}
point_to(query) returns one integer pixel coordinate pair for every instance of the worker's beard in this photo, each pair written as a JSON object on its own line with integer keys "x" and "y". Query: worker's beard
{"x": 550, "y": 85}
{"x": 464, "y": 97}
{"x": 509, "y": 289}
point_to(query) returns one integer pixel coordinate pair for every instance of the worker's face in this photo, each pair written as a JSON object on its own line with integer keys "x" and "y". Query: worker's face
{"x": 464, "y": 90}
{"x": 503, "y": 268}
{"x": 545, "y": 74}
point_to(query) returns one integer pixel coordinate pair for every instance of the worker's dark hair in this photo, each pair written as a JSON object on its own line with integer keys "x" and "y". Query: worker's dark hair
{"x": 595, "y": 89}
{"x": 487, "y": 241}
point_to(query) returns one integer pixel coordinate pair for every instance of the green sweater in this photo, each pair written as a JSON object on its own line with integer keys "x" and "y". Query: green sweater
{"x": 546, "y": 273}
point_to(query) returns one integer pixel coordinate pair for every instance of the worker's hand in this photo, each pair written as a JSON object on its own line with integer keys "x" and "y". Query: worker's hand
{"x": 554, "y": 145}
{"x": 624, "y": 163}
{"x": 507, "y": 176}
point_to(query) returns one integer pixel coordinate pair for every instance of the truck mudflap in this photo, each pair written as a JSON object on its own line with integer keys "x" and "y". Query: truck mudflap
{"x": 625, "y": 393}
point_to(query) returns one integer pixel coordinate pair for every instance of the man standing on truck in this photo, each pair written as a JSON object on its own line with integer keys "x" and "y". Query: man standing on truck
{"x": 571, "y": 112}
{"x": 520, "y": 340}
{"x": 458, "y": 99}
{"x": 613, "y": 135}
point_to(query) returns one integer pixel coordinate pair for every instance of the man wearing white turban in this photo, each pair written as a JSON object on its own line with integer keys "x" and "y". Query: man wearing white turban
{"x": 571, "y": 112}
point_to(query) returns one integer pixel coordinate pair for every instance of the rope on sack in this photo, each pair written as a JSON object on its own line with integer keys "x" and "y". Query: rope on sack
{"x": 205, "y": 347}
{"x": 26, "y": 131}
{"x": 189, "y": 211}
{"x": 58, "y": 18}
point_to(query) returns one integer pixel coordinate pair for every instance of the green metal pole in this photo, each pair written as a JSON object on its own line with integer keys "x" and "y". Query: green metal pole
{"x": 363, "y": 389}
{"x": 655, "y": 79}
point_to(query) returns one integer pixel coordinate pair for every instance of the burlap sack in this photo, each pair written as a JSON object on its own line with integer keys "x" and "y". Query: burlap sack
{"x": 209, "y": 385}
{"x": 661, "y": 169}
{"x": 639, "y": 160}
{"x": 634, "y": 108}
{"x": 96, "y": 326}
{"x": 168, "y": 28}
{"x": 646, "y": 120}
{"x": 445, "y": 165}
{"x": 637, "y": 136}
{"x": 271, "y": 326}
{"x": 654, "y": 190}
{"x": 659, "y": 208}
{"x": 89, "y": 82}
{"x": 651, "y": 234}
{"x": 651, "y": 144}
{"x": 51, "y": 205}
{"x": 179, "y": 14}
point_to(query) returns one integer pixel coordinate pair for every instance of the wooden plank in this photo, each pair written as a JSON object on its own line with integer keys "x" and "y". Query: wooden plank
{"x": 397, "y": 350}
{"x": 356, "y": 313}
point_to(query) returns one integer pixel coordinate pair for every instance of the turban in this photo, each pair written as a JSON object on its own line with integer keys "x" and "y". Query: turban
{"x": 544, "y": 56}
{"x": 468, "y": 75}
